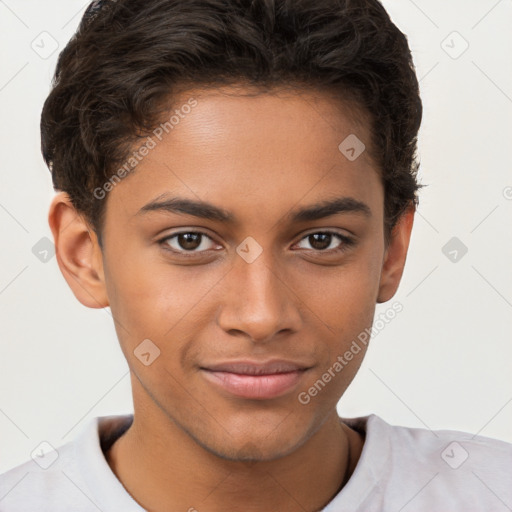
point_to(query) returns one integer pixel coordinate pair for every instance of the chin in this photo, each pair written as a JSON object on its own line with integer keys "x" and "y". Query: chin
{"x": 253, "y": 452}
{"x": 256, "y": 446}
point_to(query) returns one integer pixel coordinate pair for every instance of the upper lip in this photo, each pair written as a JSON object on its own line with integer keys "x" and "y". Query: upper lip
{"x": 248, "y": 367}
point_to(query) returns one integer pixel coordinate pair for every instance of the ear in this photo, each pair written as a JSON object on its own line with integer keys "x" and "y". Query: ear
{"x": 78, "y": 252}
{"x": 395, "y": 256}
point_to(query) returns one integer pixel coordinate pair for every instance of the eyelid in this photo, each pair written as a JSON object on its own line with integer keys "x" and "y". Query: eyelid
{"x": 332, "y": 231}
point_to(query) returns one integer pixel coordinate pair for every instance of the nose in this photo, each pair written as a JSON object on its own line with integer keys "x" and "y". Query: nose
{"x": 258, "y": 300}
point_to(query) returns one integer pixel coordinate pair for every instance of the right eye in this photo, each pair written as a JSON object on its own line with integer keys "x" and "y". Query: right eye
{"x": 186, "y": 243}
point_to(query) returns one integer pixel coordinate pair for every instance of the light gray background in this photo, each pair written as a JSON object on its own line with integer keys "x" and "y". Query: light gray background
{"x": 443, "y": 362}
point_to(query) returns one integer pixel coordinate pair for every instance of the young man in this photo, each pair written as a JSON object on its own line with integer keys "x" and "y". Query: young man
{"x": 237, "y": 182}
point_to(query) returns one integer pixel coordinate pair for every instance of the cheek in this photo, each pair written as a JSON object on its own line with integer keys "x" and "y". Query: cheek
{"x": 139, "y": 285}
{"x": 345, "y": 295}
{"x": 152, "y": 298}
{"x": 345, "y": 301}
{"x": 137, "y": 295}
{"x": 346, "y": 304}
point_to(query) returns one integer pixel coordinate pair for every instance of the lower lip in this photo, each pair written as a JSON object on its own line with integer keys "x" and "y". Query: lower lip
{"x": 259, "y": 387}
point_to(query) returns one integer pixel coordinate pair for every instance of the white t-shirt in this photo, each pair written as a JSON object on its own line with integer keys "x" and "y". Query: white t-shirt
{"x": 400, "y": 469}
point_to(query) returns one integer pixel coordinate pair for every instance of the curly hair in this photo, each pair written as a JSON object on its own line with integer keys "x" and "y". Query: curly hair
{"x": 122, "y": 67}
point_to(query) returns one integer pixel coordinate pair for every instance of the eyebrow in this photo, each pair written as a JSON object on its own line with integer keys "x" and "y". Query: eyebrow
{"x": 209, "y": 211}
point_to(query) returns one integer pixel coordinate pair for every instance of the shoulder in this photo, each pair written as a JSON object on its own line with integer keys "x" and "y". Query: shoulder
{"x": 38, "y": 483}
{"x": 74, "y": 476}
{"x": 449, "y": 448}
{"x": 436, "y": 469}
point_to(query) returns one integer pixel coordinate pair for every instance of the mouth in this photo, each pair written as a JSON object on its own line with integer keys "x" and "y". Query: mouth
{"x": 255, "y": 380}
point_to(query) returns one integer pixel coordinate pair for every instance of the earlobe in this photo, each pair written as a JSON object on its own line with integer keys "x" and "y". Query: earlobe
{"x": 78, "y": 252}
{"x": 395, "y": 256}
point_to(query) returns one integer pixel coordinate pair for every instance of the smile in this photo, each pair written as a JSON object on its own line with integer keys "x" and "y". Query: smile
{"x": 255, "y": 380}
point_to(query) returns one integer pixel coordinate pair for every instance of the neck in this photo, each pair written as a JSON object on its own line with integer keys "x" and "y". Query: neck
{"x": 163, "y": 468}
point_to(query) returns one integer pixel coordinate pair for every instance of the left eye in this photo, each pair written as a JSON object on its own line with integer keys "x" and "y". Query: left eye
{"x": 193, "y": 242}
{"x": 322, "y": 240}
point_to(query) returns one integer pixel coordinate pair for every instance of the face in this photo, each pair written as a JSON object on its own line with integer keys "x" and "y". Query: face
{"x": 264, "y": 282}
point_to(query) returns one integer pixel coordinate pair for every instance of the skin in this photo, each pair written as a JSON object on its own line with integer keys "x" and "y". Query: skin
{"x": 260, "y": 157}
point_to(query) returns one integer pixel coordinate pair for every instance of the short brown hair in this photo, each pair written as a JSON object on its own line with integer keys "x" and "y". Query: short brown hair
{"x": 118, "y": 73}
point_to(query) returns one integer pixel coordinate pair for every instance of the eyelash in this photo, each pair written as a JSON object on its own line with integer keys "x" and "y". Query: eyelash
{"x": 347, "y": 242}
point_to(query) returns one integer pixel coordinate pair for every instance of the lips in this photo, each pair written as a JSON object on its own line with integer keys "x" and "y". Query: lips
{"x": 255, "y": 380}
{"x": 256, "y": 368}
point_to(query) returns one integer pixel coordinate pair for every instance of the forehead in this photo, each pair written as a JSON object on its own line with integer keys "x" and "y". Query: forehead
{"x": 246, "y": 150}
{"x": 288, "y": 116}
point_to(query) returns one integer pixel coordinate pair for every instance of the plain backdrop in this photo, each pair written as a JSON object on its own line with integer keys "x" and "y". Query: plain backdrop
{"x": 444, "y": 362}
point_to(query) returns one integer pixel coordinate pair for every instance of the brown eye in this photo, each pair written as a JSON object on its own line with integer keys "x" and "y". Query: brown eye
{"x": 320, "y": 241}
{"x": 328, "y": 241}
{"x": 189, "y": 241}
{"x": 193, "y": 242}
